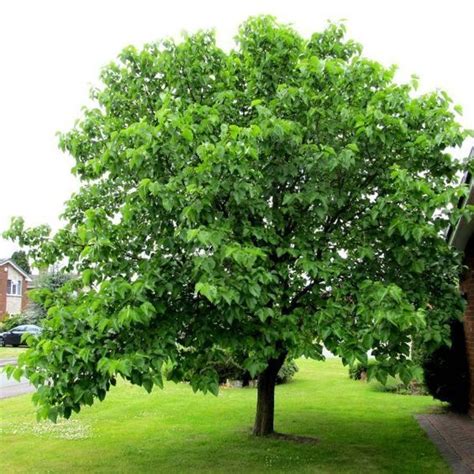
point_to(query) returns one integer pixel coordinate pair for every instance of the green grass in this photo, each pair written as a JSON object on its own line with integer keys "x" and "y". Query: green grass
{"x": 360, "y": 429}
{"x": 10, "y": 352}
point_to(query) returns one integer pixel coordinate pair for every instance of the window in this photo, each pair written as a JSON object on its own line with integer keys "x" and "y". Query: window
{"x": 14, "y": 287}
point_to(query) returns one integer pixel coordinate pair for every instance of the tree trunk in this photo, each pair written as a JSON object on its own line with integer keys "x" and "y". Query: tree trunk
{"x": 266, "y": 397}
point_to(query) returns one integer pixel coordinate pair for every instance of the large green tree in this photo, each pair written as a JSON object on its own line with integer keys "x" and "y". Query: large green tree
{"x": 264, "y": 202}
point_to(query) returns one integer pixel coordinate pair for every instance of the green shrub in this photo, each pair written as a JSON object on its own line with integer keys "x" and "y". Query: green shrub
{"x": 229, "y": 369}
{"x": 14, "y": 320}
{"x": 46, "y": 284}
{"x": 358, "y": 370}
{"x": 415, "y": 387}
{"x": 287, "y": 371}
{"x": 446, "y": 371}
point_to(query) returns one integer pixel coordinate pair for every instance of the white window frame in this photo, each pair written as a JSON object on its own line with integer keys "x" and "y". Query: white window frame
{"x": 14, "y": 287}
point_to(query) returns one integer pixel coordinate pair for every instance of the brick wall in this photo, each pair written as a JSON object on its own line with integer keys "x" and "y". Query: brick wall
{"x": 3, "y": 291}
{"x": 468, "y": 288}
{"x": 24, "y": 298}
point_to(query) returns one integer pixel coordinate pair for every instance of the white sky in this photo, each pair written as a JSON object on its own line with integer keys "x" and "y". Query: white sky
{"x": 52, "y": 51}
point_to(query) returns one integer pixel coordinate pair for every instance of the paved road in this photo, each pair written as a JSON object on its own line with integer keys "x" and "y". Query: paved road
{"x": 4, "y": 362}
{"x": 10, "y": 387}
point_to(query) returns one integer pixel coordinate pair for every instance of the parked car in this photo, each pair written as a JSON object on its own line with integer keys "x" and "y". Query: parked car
{"x": 14, "y": 336}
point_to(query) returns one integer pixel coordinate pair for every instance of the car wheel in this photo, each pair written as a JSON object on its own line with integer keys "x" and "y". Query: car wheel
{"x": 2, "y": 342}
{"x": 15, "y": 345}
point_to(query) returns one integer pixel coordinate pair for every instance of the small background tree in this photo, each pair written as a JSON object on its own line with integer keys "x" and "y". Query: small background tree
{"x": 263, "y": 202}
{"x": 21, "y": 259}
{"x": 46, "y": 284}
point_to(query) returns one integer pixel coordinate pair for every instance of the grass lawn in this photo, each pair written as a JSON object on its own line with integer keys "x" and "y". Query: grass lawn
{"x": 10, "y": 352}
{"x": 360, "y": 428}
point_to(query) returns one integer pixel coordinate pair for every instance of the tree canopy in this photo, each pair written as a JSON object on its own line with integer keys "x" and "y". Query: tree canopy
{"x": 266, "y": 201}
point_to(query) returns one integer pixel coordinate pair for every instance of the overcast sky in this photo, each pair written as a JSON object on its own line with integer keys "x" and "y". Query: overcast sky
{"x": 52, "y": 52}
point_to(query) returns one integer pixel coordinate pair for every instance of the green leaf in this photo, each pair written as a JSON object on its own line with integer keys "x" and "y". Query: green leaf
{"x": 158, "y": 380}
{"x": 147, "y": 385}
{"x": 87, "y": 276}
{"x": 53, "y": 414}
{"x": 214, "y": 388}
{"x": 381, "y": 376}
{"x": 187, "y": 134}
{"x": 405, "y": 375}
{"x": 255, "y": 290}
{"x": 207, "y": 290}
{"x": 264, "y": 313}
{"x": 17, "y": 374}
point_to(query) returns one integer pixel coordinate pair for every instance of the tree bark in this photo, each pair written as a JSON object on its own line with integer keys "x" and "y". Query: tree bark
{"x": 266, "y": 397}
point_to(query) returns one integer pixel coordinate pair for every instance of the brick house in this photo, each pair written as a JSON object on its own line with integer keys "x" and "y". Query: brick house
{"x": 462, "y": 238}
{"x": 13, "y": 285}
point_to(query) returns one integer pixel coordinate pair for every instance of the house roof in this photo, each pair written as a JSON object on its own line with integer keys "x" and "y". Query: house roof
{"x": 5, "y": 261}
{"x": 458, "y": 235}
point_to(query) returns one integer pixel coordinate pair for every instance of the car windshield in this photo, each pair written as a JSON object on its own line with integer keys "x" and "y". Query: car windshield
{"x": 32, "y": 328}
